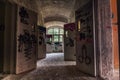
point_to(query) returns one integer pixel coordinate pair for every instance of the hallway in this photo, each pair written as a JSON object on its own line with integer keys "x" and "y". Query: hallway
{"x": 87, "y": 31}
{"x": 52, "y": 68}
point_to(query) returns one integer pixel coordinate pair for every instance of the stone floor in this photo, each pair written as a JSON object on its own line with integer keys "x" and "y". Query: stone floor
{"x": 53, "y": 67}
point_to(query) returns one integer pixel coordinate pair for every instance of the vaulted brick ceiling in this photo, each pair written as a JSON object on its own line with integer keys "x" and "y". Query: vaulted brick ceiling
{"x": 55, "y": 10}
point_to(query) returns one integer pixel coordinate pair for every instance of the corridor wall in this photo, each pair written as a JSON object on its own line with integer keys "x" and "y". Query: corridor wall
{"x": 7, "y": 34}
{"x": 18, "y": 38}
{"x": 69, "y": 42}
{"x": 41, "y": 42}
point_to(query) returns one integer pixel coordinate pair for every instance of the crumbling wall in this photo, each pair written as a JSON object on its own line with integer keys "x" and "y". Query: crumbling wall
{"x": 78, "y": 4}
{"x": 104, "y": 30}
{"x": 29, "y": 4}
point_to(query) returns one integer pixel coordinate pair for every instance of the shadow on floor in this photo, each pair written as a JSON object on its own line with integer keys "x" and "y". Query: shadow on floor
{"x": 58, "y": 73}
{"x": 52, "y": 73}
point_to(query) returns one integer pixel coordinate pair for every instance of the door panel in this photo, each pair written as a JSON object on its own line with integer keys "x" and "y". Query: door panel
{"x": 41, "y": 42}
{"x": 26, "y": 57}
{"x": 69, "y": 42}
{"x": 86, "y": 61}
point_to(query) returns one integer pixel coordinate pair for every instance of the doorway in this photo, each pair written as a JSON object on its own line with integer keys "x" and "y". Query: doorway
{"x": 54, "y": 42}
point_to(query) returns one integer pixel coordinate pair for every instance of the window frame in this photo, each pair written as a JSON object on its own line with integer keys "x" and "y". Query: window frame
{"x": 59, "y": 34}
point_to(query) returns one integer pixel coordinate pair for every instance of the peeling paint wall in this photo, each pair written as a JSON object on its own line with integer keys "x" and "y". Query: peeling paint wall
{"x": 72, "y": 17}
{"x": 30, "y": 4}
{"x": 40, "y": 20}
{"x": 78, "y": 4}
{"x": 104, "y": 30}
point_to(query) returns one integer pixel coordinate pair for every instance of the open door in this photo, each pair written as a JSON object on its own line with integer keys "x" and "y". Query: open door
{"x": 69, "y": 42}
{"x": 85, "y": 44}
{"x": 41, "y": 42}
{"x": 26, "y": 40}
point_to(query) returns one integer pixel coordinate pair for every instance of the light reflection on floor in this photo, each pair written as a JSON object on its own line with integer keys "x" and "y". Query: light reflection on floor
{"x": 54, "y": 59}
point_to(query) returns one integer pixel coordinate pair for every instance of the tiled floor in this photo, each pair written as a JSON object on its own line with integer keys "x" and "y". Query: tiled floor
{"x": 53, "y": 68}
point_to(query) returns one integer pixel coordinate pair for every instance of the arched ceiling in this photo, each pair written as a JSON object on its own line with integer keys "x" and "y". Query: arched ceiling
{"x": 54, "y": 23}
{"x": 55, "y": 10}
{"x": 50, "y": 10}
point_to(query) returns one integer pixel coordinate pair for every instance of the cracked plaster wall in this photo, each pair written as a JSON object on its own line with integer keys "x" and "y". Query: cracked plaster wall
{"x": 105, "y": 39}
{"x": 31, "y": 5}
{"x": 78, "y": 4}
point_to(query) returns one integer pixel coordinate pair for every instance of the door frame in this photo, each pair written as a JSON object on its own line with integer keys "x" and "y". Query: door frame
{"x": 118, "y": 12}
